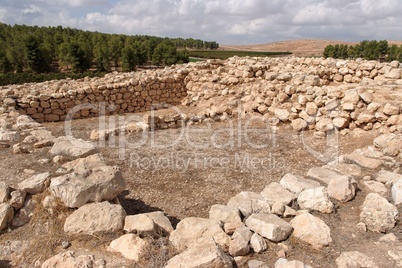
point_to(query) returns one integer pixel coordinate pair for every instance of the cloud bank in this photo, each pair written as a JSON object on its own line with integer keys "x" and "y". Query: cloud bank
{"x": 224, "y": 21}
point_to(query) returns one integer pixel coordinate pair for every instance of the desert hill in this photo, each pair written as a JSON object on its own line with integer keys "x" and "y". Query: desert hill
{"x": 305, "y": 47}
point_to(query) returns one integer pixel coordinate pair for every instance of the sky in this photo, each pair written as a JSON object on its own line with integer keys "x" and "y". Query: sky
{"x": 229, "y": 22}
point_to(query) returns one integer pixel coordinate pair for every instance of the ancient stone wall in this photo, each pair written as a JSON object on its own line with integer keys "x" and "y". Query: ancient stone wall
{"x": 287, "y": 88}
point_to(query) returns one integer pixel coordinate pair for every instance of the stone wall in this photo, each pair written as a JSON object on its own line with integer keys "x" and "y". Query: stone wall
{"x": 282, "y": 87}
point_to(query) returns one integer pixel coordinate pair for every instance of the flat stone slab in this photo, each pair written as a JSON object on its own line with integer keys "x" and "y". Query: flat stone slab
{"x": 297, "y": 184}
{"x": 275, "y": 192}
{"x": 269, "y": 226}
{"x": 322, "y": 175}
{"x": 388, "y": 177}
{"x": 72, "y": 147}
{"x": 362, "y": 161}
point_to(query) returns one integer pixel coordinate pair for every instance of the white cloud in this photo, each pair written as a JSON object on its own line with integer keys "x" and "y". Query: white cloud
{"x": 226, "y": 21}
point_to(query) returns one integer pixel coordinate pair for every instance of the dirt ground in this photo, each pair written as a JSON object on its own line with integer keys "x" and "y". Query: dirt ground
{"x": 183, "y": 172}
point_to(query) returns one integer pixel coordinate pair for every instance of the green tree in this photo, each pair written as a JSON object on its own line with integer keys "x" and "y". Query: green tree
{"x": 35, "y": 57}
{"x": 165, "y": 53}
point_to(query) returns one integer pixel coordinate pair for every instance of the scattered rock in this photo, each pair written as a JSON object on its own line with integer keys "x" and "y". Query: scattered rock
{"x": 140, "y": 224}
{"x": 316, "y": 199}
{"x": 239, "y": 243}
{"x": 322, "y": 175}
{"x": 249, "y": 203}
{"x": 388, "y": 177}
{"x": 257, "y": 264}
{"x": 72, "y": 147}
{"x": 397, "y": 192}
{"x": 269, "y": 226}
{"x": 161, "y": 221}
{"x": 362, "y": 161}
{"x": 258, "y": 244}
{"x": 24, "y": 215}
{"x": 4, "y": 192}
{"x": 75, "y": 190}
{"x": 375, "y": 187}
{"x": 342, "y": 189}
{"x": 297, "y": 184}
{"x": 35, "y": 184}
{"x": 378, "y": 214}
{"x": 94, "y": 218}
{"x": 284, "y": 263}
{"x": 132, "y": 247}
{"x": 6, "y": 215}
{"x": 354, "y": 259}
{"x": 84, "y": 165}
{"x": 201, "y": 255}
{"x": 20, "y": 149}
{"x": 68, "y": 259}
{"x": 17, "y": 199}
{"x": 191, "y": 231}
{"x": 274, "y": 192}
{"x": 225, "y": 214}
{"x": 312, "y": 230}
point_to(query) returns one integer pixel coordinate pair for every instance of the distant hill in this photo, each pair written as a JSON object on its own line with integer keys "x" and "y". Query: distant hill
{"x": 306, "y": 47}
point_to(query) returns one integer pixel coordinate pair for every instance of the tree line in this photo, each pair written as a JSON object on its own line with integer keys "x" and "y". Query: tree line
{"x": 57, "y": 49}
{"x": 370, "y": 50}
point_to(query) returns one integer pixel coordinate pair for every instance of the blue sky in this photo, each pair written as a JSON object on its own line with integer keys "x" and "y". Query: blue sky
{"x": 224, "y": 21}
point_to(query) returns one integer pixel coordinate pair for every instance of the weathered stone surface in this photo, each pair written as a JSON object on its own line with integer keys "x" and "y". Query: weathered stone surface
{"x": 354, "y": 259}
{"x": 239, "y": 243}
{"x": 199, "y": 256}
{"x": 383, "y": 141}
{"x": 378, "y": 214}
{"x": 84, "y": 165}
{"x": 225, "y": 214}
{"x": 345, "y": 169}
{"x": 316, "y": 199}
{"x": 299, "y": 124}
{"x": 249, "y": 203}
{"x": 24, "y": 215}
{"x": 274, "y": 192}
{"x": 72, "y": 147}
{"x": 75, "y": 190}
{"x": 94, "y": 218}
{"x": 388, "y": 177}
{"x": 282, "y": 114}
{"x": 284, "y": 263}
{"x": 42, "y": 135}
{"x": 391, "y": 109}
{"x": 140, "y": 224}
{"x": 161, "y": 221}
{"x": 35, "y": 184}
{"x": 191, "y": 231}
{"x": 26, "y": 122}
{"x": 375, "y": 187}
{"x": 17, "y": 199}
{"x": 4, "y": 192}
{"x": 269, "y": 226}
{"x": 397, "y": 192}
{"x": 8, "y": 136}
{"x": 312, "y": 230}
{"x": 6, "y": 215}
{"x": 343, "y": 188}
{"x": 297, "y": 184}
{"x": 258, "y": 244}
{"x": 362, "y": 161}
{"x": 69, "y": 260}
{"x": 257, "y": 264}
{"x": 131, "y": 246}
{"x": 322, "y": 175}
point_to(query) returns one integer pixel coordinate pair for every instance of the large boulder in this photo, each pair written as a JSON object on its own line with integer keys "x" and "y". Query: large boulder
{"x": 316, "y": 199}
{"x": 75, "y": 190}
{"x": 378, "y": 214}
{"x": 311, "y": 230}
{"x": 225, "y": 214}
{"x": 269, "y": 226}
{"x": 191, "y": 231}
{"x": 131, "y": 246}
{"x": 199, "y": 256}
{"x": 72, "y": 147}
{"x": 94, "y": 218}
{"x": 239, "y": 243}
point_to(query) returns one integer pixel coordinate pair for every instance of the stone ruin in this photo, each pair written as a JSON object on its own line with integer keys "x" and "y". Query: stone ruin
{"x": 316, "y": 94}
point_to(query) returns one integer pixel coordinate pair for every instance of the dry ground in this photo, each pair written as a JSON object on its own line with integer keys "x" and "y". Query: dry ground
{"x": 169, "y": 172}
{"x": 300, "y": 48}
